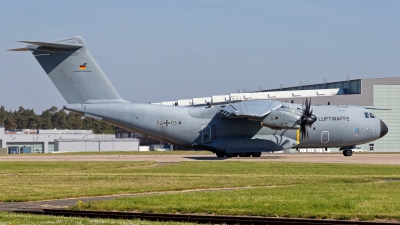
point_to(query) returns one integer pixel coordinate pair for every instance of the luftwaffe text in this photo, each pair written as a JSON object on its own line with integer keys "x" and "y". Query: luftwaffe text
{"x": 334, "y": 118}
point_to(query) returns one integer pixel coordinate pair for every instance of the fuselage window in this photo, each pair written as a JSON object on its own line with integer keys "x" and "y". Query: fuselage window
{"x": 366, "y": 115}
{"x": 371, "y": 115}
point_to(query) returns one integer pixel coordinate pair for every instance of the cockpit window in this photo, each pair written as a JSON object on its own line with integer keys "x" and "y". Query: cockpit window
{"x": 371, "y": 115}
{"x": 366, "y": 115}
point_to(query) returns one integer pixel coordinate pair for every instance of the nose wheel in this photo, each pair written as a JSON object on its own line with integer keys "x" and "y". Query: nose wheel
{"x": 347, "y": 152}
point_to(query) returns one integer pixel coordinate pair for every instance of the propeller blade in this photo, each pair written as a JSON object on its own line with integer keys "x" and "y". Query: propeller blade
{"x": 307, "y": 119}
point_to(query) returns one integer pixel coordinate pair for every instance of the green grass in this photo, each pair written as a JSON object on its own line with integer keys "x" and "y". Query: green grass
{"x": 340, "y": 191}
{"x": 367, "y": 201}
{"x": 16, "y": 218}
{"x": 28, "y": 181}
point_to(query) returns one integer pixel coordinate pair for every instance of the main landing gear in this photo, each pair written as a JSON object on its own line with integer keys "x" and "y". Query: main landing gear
{"x": 242, "y": 154}
{"x": 347, "y": 152}
{"x": 220, "y": 154}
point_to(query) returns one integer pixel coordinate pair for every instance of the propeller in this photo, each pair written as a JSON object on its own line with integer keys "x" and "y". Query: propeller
{"x": 307, "y": 119}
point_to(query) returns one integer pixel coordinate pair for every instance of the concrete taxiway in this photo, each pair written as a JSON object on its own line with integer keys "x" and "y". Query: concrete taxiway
{"x": 365, "y": 158}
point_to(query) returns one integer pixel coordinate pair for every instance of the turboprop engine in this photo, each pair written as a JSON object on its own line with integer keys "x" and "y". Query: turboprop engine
{"x": 282, "y": 119}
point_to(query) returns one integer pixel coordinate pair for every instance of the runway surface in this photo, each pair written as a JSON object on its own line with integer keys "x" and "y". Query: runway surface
{"x": 381, "y": 158}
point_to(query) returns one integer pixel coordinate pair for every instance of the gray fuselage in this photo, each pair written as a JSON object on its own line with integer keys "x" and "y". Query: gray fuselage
{"x": 203, "y": 128}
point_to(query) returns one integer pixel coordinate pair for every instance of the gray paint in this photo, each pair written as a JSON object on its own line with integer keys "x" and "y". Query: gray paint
{"x": 63, "y": 66}
{"x": 238, "y": 129}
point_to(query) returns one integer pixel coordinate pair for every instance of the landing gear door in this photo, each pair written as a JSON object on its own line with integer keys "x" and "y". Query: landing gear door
{"x": 205, "y": 133}
{"x": 325, "y": 136}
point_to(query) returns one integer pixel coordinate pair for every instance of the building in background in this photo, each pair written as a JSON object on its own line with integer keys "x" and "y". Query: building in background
{"x": 147, "y": 143}
{"x": 48, "y": 141}
{"x": 96, "y": 145}
{"x": 379, "y": 93}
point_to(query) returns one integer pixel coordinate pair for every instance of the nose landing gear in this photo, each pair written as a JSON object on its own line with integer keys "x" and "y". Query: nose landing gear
{"x": 347, "y": 152}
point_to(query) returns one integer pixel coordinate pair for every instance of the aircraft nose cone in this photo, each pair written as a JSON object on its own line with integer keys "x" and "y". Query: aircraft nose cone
{"x": 384, "y": 129}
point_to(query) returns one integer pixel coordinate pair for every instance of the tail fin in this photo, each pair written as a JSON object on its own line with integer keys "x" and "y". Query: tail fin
{"x": 73, "y": 70}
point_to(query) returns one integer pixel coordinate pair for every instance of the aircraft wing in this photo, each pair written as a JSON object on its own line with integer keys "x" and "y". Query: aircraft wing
{"x": 257, "y": 108}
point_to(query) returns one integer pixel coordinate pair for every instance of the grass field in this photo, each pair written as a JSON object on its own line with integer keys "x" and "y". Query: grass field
{"x": 336, "y": 201}
{"x": 266, "y": 189}
{"x": 14, "y": 218}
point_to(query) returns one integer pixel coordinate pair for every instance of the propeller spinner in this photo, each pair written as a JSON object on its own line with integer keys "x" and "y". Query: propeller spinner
{"x": 307, "y": 119}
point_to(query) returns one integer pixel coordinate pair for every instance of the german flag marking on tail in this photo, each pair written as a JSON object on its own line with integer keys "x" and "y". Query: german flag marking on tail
{"x": 82, "y": 67}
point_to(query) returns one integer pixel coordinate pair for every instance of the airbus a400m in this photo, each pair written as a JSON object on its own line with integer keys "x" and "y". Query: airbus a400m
{"x": 243, "y": 128}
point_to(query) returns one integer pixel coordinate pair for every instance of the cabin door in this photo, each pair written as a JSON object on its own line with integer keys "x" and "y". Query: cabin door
{"x": 325, "y": 136}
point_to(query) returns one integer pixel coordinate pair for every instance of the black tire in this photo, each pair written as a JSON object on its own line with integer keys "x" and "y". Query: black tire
{"x": 220, "y": 154}
{"x": 245, "y": 154}
{"x": 231, "y": 155}
{"x": 347, "y": 152}
{"x": 256, "y": 154}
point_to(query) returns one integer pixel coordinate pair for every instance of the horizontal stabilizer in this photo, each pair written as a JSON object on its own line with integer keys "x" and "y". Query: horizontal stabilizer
{"x": 19, "y": 49}
{"x": 54, "y": 44}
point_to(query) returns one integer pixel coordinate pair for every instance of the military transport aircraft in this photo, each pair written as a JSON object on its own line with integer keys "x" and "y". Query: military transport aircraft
{"x": 238, "y": 128}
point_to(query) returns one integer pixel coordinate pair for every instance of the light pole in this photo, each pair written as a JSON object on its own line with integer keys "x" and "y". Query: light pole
{"x": 33, "y": 138}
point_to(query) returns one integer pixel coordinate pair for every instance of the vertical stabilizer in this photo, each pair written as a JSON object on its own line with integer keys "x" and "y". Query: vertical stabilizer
{"x": 73, "y": 70}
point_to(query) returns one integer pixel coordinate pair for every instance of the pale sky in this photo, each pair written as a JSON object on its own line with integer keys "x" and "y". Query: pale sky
{"x": 155, "y": 51}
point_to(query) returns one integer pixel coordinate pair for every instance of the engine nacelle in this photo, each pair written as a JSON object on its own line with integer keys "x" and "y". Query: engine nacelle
{"x": 282, "y": 119}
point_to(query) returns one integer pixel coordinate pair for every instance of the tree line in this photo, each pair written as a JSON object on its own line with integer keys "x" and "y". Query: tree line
{"x": 51, "y": 119}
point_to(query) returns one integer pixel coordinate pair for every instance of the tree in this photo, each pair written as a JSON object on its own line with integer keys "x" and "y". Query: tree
{"x": 4, "y": 114}
{"x": 10, "y": 123}
{"x": 53, "y": 110}
{"x": 74, "y": 121}
{"x": 26, "y": 118}
{"x": 60, "y": 120}
{"x": 47, "y": 117}
{"x": 87, "y": 123}
{"x": 50, "y": 119}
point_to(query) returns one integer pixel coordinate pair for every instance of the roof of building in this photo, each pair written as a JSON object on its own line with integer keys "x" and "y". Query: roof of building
{"x": 98, "y": 140}
{"x": 348, "y": 86}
